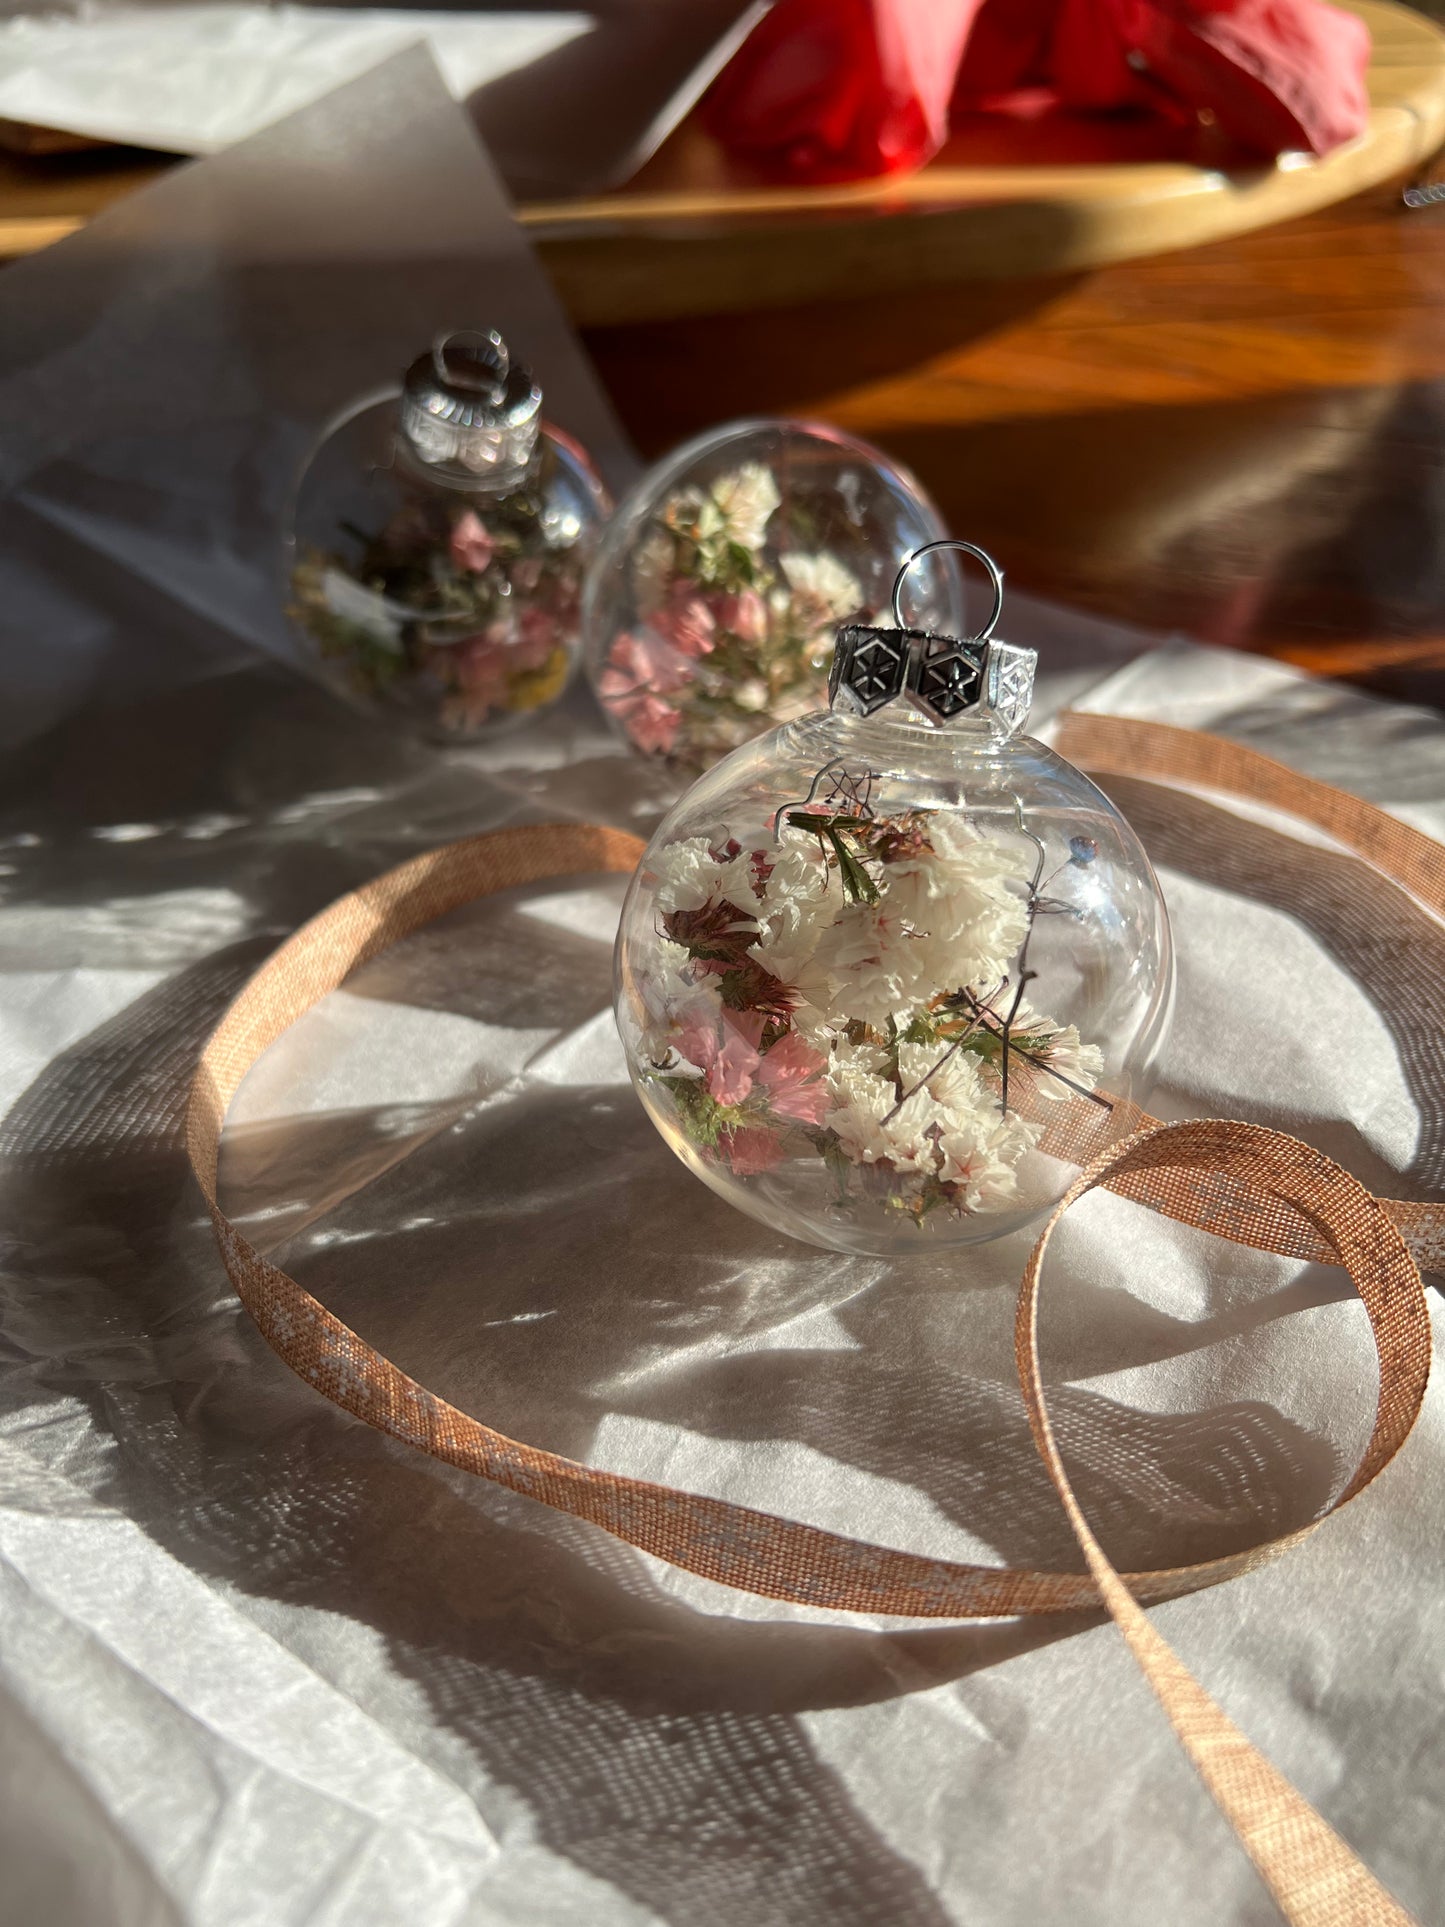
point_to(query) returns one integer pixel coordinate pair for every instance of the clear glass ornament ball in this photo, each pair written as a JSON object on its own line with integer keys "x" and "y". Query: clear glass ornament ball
{"x": 442, "y": 593}
{"x": 885, "y": 986}
{"x": 712, "y": 601}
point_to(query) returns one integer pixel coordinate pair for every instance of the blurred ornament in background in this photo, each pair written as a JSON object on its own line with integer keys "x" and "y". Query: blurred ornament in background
{"x": 438, "y": 544}
{"x": 887, "y": 975}
{"x": 713, "y": 598}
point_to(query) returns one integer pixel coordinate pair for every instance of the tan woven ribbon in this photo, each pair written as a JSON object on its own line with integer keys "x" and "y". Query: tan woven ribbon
{"x": 1238, "y": 1180}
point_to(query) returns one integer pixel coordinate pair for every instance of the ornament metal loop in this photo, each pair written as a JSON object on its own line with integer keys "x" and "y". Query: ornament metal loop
{"x": 472, "y": 358}
{"x": 995, "y": 576}
{"x": 942, "y": 677}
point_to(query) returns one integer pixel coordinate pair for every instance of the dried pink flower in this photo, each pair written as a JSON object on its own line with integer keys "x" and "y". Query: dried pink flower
{"x": 751, "y": 1150}
{"x": 651, "y": 723}
{"x": 640, "y": 663}
{"x": 791, "y": 1076}
{"x": 744, "y": 615}
{"x": 686, "y": 621}
{"x": 471, "y": 547}
{"x": 721, "y": 1051}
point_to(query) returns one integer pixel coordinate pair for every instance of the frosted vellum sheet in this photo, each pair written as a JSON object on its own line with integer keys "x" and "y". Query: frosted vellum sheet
{"x": 258, "y": 1664}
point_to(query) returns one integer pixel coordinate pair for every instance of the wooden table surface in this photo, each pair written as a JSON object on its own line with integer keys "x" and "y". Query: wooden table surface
{"x": 1244, "y": 442}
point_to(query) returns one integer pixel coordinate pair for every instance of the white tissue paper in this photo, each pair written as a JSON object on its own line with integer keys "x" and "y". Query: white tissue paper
{"x": 569, "y": 99}
{"x": 193, "y": 79}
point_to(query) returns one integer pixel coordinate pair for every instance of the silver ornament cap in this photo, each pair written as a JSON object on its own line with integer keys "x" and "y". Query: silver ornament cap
{"x": 941, "y": 679}
{"x": 469, "y": 411}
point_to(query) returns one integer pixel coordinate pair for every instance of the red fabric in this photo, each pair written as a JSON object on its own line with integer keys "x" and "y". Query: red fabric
{"x": 837, "y": 89}
{"x": 1277, "y": 74}
{"x": 829, "y": 90}
{"x": 1008, "y": 49}
{"x": 1089, "y": 55}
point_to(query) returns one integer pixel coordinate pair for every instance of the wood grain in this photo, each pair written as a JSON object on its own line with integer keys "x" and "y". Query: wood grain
{"x": 1244, "y": 442}
{"x": 45, "y": 197}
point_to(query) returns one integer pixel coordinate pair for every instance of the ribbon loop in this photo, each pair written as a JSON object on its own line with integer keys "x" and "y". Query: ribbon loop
{"x": 1234, "y": 1179}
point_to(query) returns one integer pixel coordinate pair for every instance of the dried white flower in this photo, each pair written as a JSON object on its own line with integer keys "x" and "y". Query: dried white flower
{"x": 1060, "y": 1048}
{"x": 822, "y": 591}
{"x": 984, "y": 1158}
{"x": 858, "y": 957}
{"x": 689, "y": 877}
{"x": 795, "y": 905}
{"x": 950, "y": 1077}
{"x": 745, "y": 501}
{"x": 860, "y": 967}
{"x": 862, "y": 1098}
{"x": 966, "y": 920}
{"x": 652, "y": 567}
